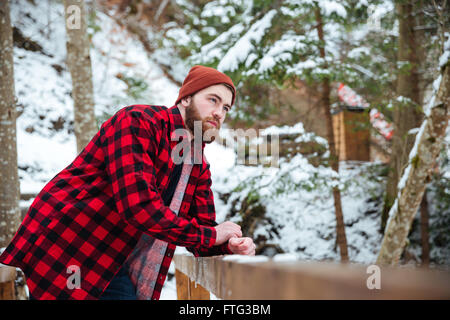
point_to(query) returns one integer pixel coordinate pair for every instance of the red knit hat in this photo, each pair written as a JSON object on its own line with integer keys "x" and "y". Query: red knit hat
{"x": 201, "y": 77}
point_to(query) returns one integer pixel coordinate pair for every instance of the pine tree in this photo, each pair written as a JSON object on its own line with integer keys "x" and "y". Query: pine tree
{"x": 341, "y": 238}
{"x": 9, "y": 179}
{"x": 407, "y": 113}
{"x": 277, "y": 43}
{"x": 79, "y": 63}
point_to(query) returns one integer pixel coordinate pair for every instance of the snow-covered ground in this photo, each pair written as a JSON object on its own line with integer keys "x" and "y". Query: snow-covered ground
{"x": 43, "y": 86}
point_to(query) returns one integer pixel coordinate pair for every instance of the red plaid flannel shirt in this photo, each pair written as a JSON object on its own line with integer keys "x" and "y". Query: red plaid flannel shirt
{"x": 91, "y": 214}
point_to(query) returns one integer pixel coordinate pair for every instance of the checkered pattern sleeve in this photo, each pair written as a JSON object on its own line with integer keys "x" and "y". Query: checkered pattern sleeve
{"x": 130, "y": 147}
{"x": 204, "y": 210}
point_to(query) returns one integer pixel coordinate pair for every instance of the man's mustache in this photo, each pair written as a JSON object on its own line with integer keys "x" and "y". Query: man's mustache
{"x": 217, "y": 122}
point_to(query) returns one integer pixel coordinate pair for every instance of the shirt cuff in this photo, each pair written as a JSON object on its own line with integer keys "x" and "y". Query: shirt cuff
{"x": 208, "y": 236}
{"x": 226, "y": 249}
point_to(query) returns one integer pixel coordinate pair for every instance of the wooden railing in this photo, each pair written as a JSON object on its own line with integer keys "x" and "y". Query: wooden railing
{"x": 246, "y": 278}
{"x": 7, "y": 277}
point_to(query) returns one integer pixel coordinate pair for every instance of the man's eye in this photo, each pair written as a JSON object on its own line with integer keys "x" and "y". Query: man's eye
{"x": 213, "y": 100}
{"x": 227, "y": 109}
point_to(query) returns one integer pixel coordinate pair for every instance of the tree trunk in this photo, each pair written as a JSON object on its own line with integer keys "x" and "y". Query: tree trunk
{"x": 9, "y": 178}
{"x": 341, "y": 238}
{"x": 424, "y": 218}
{"x": 421, "y": 160}
{"x": 406, "y": 114}
{"x": 79, "y": 63}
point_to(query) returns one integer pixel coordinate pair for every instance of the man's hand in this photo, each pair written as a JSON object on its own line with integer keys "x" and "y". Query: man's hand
{"x": 243, "y": 246}
{"x": 226, "y": 230}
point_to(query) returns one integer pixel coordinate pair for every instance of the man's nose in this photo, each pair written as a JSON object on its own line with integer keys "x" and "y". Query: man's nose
{"x": 218, "y": 113}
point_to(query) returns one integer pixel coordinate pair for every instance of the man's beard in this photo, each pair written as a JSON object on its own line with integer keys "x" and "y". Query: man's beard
{"x": 193, "y": 117}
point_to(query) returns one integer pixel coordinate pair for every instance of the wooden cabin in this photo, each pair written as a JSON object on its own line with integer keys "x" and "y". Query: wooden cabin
{"x": 353, "y": 122}
{"x": 351, "y": 129}
{"x": 351, "y": 125}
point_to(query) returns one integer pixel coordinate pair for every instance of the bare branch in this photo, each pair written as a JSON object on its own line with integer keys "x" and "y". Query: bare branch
{"x": 160, "y": 10}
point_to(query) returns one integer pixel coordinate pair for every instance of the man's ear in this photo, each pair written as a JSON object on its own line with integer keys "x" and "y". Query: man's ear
{"x": 186, "y": 102}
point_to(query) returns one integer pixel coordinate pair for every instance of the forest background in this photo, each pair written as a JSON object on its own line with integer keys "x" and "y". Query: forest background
{"x": 349, "y": 89}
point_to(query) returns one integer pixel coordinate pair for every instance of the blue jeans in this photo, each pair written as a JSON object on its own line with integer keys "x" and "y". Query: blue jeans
{"x": 120, "y": 287}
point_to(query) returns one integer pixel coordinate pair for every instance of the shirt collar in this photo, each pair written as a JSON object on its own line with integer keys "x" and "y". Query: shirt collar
{"x": 176, "y": 122}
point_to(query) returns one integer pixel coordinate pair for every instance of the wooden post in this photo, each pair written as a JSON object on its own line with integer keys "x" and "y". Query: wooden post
{"x": 189, "y": 290}
{"x": 182, "y": 281}
{"x": 197, "y": 291}
{"x": 7, "y": 277}
{"x": 339, "y": 134}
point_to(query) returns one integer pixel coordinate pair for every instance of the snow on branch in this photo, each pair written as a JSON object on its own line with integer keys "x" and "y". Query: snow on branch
{"x": 240, "y": 51}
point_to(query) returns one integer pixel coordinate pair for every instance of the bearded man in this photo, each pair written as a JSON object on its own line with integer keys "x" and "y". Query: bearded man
{"x": 107, "y": 225}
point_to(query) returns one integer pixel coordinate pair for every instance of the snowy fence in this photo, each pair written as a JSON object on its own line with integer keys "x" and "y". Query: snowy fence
{"x": 260, "y": 278}
{"x": 7, "y": 277}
